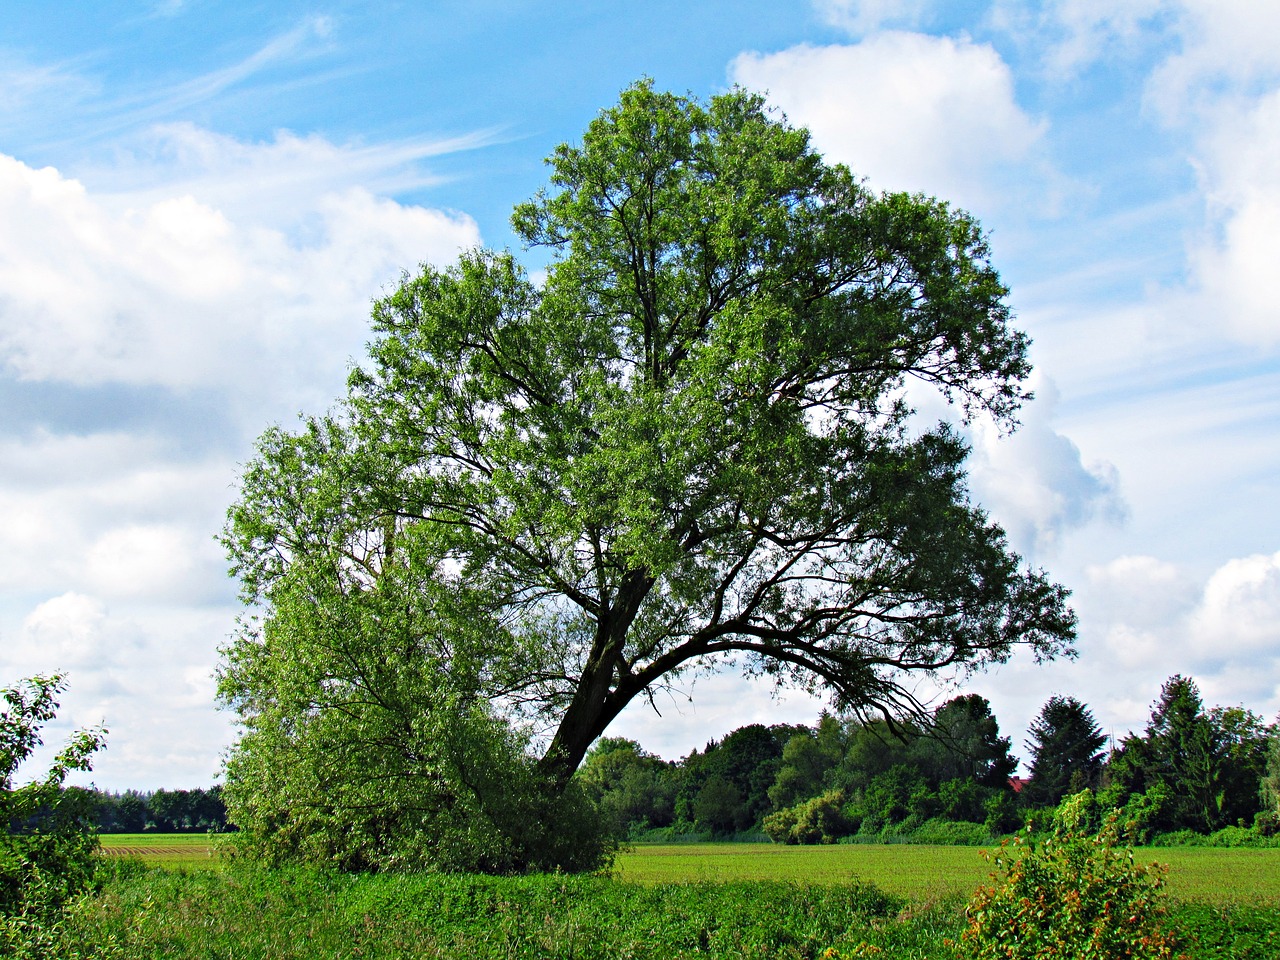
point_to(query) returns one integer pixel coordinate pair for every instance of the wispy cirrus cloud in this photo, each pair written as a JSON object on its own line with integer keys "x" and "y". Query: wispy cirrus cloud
{"x": 54, "y": 107}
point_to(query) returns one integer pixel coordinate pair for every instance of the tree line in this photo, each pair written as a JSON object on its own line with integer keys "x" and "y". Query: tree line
{"x": 159, "y": 811}
{"x": 949, "y": 779}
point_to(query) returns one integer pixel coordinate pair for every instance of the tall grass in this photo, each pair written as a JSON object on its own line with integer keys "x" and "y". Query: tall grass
{"x": 247, "y": 913}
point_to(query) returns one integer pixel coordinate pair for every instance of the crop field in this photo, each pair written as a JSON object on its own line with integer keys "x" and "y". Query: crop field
{"x": 188, "y": 850}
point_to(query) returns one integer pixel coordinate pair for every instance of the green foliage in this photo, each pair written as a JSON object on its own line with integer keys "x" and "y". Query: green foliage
{"x": 1066, "y": 752}
{"x": 1193, "y": 768}
{"x": 1239, "y": 932}
{"x": 953, "y": 769}
{"x": 164, "y": 811}
{"x": 1226, "y": 838}
{"x": 1269, "y": 783}
{"x": 633, "y": 790}
{"x": 48, "y": 843}
{"x": 725, "y": 788}
{"x": 963, "y": 743}
{"x": 1144, "y": 812}
{"x": 818, "y": 820}
{"x": 687, "y": 447}
{"x": 806, "y": 760}
{"x": 1069, "y": 894}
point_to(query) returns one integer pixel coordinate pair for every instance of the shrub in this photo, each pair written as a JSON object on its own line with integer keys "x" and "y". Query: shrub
{"x": 819, "y": 820}
{"x": 47, "y": 842}
{"x": 1068, "y": 895}
{"x": 951, "y": 833}
{"x": 1145, "y": 812}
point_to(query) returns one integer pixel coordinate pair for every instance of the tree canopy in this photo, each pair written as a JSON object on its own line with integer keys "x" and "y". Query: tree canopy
{"x": 688, "y": 446}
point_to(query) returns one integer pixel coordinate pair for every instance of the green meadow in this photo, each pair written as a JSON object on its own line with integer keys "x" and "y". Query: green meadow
{"x": 915, "y": 872}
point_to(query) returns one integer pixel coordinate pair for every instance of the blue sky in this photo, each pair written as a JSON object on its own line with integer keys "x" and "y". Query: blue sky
{"x": 198, "y": 202}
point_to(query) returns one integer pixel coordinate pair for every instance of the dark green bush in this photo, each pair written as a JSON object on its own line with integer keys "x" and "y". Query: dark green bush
{"x": 820, "y": 820}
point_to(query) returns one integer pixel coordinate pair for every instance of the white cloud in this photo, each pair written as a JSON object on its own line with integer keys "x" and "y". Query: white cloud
{"x": 143, "y": 671}
{"x": 909, "y": 112}
{"x": 176, "y": 292}
{"x": 155, "y": 561}
{"x": 1150, "y": 619}
{"x": 22, "y": 85}
{"x": 1225, "y": 47}
{"x": 64, "y": 633}
{"x": 274, "y": 183}
{"x": 1234, "y": 266}
{"x": 192, "y": 294}
{"x": 1035, "y": 481}
{"x": 1070, "y": 35}
{"x": 112, "y": 515}
{"x": 1144, "y": 619}
{"x": 1239, "y": 615}
{"x": 1214, "y": 85}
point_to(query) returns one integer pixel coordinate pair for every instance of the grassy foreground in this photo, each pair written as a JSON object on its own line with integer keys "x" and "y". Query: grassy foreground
{"x": 239, "y": 912}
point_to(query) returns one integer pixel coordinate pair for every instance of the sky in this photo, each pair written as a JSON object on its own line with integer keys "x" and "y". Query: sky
{"x": 199, "y": 201}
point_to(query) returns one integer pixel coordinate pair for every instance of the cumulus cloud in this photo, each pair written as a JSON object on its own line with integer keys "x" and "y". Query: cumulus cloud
{"x": 143, "y": 671}
{"x": 176, "y": 292}
{"x": 1225, "y": 48}
{"x": 113, "y": 515}
{"x": 1144, "y": 619}
{"x": 1152, "y": 619}
{"x": 1036, "y": 482}
{"x": 1239, "y": 614}
{"x": 65, "y": 633}
{"x": 1234, "y": 264}
{"x": 909, "y": 112}
{"x": 1214, "y": 83}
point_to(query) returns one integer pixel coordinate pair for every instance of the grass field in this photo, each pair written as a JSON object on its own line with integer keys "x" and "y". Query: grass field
{"x": 163, "y": 849}
{"x": 919, "y": 873}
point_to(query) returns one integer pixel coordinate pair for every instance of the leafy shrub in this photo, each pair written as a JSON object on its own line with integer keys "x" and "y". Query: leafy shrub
{"x": 819, "y": 820}
{"x": 1068, "y": 895}
{"x": 1145, "y": 812}
{"x": 951, "y": 833}
{"x": 47, "y": 843}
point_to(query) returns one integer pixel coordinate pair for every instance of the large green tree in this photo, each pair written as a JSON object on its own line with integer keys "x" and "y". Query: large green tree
{"x": 688, "y": 446}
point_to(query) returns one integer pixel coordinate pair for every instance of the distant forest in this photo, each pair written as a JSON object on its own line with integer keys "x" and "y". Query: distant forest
{"x": 159, "y": 811}
{"x": 1192, "y": 772}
